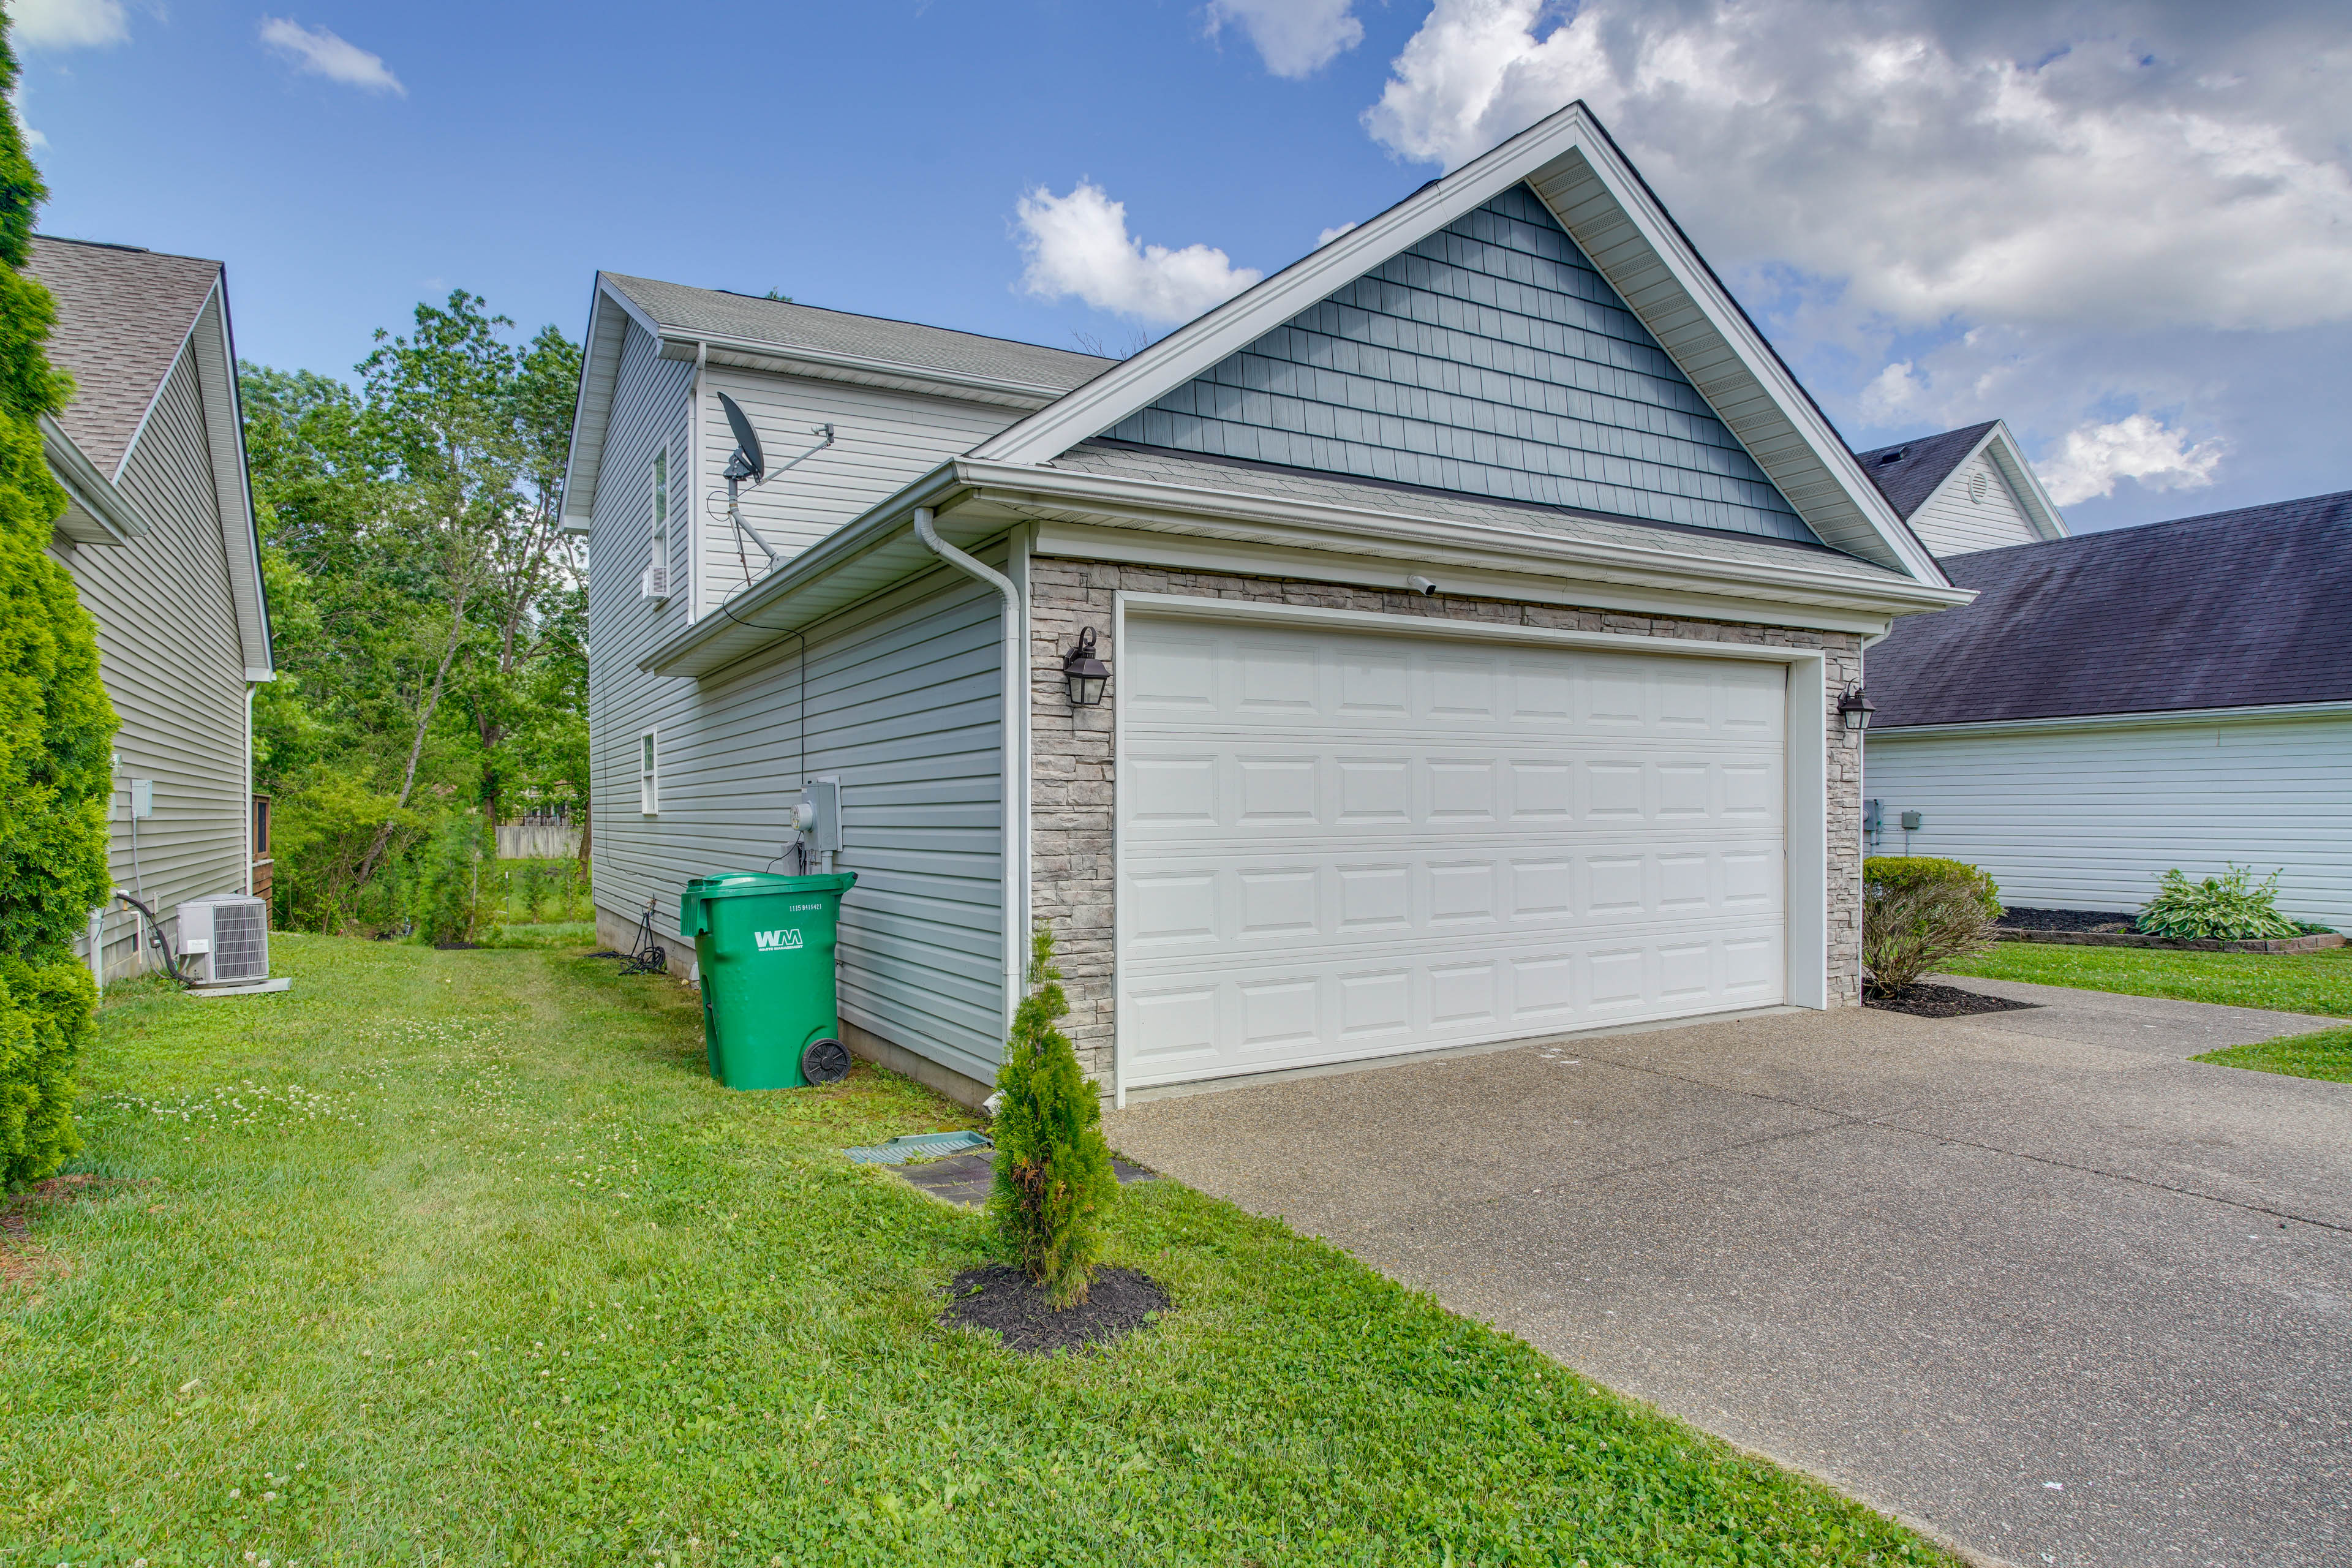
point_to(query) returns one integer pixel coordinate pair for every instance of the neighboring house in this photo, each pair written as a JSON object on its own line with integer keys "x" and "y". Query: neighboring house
{"x": 1477, "y": 595}
{"x": 2118, "y": 704}
{"x": 159, "y": 535}
{"x": 1965, "y": 490}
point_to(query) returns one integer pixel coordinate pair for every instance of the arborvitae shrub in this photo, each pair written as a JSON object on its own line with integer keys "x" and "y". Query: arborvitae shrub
{"x": 57, "y": 727}
{"x": 1054, "y": 1184}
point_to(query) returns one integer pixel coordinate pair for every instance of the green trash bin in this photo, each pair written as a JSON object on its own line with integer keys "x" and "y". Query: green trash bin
{"x": 763, "y": 947}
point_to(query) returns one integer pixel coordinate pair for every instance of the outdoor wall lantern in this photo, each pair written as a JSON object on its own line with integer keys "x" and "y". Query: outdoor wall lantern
{"x": 1084, "y": 672}
{"x": 1855, "y": 709}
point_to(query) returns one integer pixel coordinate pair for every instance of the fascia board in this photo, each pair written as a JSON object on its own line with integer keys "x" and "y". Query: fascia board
{"x": 677, "y": 343}
{"x": 1194, "y": 549}
{"x": 91, "y": 490}
{"x": 2153, "y": 719}
{"x": 1705, "y": 329}
{"x": 2048, "y": 520}
{"x": 600, "y": 370}
{"x": 739, "y": 627}
{"x": 242, "y": 536}
{"x": 1350, "y": 529}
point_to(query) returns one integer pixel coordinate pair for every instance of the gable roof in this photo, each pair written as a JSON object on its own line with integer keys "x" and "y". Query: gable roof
{"x": 1570, "y": 162}
{"x": 123, "y": 315}
{"x": 2232, "y": 609}
{"x": 782, "y": 336}
{"x": 1910, "y": 473}
{"x": 1489, "y": 358}
{"x": 126, "y": 319}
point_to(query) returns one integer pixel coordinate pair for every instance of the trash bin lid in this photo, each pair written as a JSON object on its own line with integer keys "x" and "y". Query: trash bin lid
{"x": 741, "y": 884}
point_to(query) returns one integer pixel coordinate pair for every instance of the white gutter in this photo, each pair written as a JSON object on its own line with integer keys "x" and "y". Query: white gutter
{"x": 1014, "y": 749}
{"x": 2145, "y": 718}
{"x": 92, "y": 490}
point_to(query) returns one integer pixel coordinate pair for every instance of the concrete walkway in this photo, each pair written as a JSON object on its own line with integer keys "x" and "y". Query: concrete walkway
{"x": 2032, "y": 1278}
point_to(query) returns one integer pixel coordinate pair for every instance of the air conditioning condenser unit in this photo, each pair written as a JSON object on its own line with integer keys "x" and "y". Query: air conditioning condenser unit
{"x": 224, "y": 940}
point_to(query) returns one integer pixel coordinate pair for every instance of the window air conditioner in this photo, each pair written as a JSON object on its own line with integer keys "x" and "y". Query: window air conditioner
{"x": 655, "y": 583}
{"x": 224, "y": 940}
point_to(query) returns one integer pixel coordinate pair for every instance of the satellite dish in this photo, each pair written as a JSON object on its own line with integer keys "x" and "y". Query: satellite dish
{"x": 748, "y": 462}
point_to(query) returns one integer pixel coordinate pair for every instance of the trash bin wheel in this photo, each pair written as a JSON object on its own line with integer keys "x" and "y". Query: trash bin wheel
{"x": 825, "y": 1061}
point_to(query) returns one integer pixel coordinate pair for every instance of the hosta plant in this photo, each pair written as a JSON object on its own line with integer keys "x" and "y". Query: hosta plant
{"x": 2231, "y": 907}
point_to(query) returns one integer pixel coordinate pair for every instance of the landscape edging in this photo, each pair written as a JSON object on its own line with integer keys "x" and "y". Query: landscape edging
{"x": 2194, "y": 944}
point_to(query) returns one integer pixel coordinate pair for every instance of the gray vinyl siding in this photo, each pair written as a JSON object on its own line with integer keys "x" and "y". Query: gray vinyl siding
{"x": 1491, "y": 358}
{"x": 901, "y": 698}
{"x": 2090, "y": 818}
{"x": 882, "y": 442}
{"x": 170, "y": 656}
{"x": 1949, "y": 523}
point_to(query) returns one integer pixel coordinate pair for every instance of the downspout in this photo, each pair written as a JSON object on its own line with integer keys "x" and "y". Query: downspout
{"x": 1014, "y": 748}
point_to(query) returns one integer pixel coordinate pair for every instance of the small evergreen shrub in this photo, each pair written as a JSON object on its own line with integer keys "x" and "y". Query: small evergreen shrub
{"x": 2231, "y": 907}
{"x": 1054, "y": 1184}
{"x": 46, "y": 1019}
{"x": 1920, "y": 912}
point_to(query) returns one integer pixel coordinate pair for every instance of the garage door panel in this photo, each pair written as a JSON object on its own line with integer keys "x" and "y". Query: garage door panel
{"x": 1336, "y": 845}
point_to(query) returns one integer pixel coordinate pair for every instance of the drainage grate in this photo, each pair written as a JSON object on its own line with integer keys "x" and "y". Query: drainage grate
{"x": 898, "y": 1151}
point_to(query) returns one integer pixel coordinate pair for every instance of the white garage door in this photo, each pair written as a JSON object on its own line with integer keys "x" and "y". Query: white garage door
{"x": 1337, "y": 845}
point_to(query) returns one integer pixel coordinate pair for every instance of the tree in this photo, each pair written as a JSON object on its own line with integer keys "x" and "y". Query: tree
{"x": 1053, "y": 1178}
{"x": 56, "y": 724}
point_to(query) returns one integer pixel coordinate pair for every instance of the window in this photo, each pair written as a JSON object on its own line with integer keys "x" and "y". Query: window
{"x": 648, "y": 780}
{"x": 661, "y": 507}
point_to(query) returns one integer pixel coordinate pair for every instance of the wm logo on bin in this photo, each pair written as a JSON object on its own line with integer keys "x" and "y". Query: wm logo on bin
{"x": 776, "y": 941}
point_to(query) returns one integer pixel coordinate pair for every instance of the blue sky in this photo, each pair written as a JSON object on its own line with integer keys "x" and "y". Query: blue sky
{"x": 2126, "y": 230}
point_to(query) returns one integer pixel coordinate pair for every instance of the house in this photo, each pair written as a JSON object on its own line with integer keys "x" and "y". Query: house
{"x": 158, "y": 533}
{"x": 1965, "y": 490}
{"x": 2118, "y": 704}
{"x": 1476, "y": 597}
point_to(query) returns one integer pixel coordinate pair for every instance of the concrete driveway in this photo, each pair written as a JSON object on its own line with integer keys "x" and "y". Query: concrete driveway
{"x": 2031, "y": 1278}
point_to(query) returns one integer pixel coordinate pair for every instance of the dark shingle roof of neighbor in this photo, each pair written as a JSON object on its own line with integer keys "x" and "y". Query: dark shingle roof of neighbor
{"x": 692, "y": 311}
{"x": 1907, "y": 473}
{"x": 122, "y": 314}
{"x": 2235, "y": 609}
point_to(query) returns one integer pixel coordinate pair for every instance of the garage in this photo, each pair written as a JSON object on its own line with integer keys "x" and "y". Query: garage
{"x": 1339, "y": 840}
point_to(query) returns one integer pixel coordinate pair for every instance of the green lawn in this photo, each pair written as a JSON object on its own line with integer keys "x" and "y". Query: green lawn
{"x": 458, "y": 1258}
{"x": 2318, "y": 983}
{"x": 2326, "y": 1055}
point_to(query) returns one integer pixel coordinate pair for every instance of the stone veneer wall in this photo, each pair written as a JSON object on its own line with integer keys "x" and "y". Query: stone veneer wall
{"x": 1070, "y": 764}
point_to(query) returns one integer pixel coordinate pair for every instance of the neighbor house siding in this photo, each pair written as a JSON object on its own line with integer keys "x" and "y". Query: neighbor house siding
{"x": 1490, "y": 358}
{"x": 2090, "y": 818}
{"x": 1949, "y": 523}
{"x": 882, "y": 442}
{"x": 173, "y": 668}
{"x": 901, "y": 697}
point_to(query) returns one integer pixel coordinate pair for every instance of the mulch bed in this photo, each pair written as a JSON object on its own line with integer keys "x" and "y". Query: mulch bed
{"x": 1929, "y": 1001}
{"x": 995, "y": 1296}
{"x": 2017, "y": 916}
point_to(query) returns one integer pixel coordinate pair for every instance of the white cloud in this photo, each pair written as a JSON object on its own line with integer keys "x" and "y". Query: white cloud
{"x": 1940, "y": 162}
{"x": 321, "y": 53}
{"x": 1295, "y": 37}
{"x": 1891, "y": 395}
{"x": 67, "y": 24}
{"x": 1078, "y": 244}
{"x": 1328, "y": 234}
{"x": 2093, "y": 459}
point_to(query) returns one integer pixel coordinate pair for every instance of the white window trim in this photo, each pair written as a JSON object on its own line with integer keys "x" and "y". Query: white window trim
{"x": 658, "y": 506}
{"x": 1807, "y": 888}
{"x": 649, "y": 773}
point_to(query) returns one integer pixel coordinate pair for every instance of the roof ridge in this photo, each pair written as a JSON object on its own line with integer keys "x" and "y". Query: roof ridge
{"x": 857, "y": 315}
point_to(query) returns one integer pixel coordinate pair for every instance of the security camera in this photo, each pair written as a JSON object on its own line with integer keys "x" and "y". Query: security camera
{"x": 1421, "y": 585}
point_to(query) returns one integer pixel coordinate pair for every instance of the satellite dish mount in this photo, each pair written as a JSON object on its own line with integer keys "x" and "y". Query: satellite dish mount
{"x": 750, "y": 461}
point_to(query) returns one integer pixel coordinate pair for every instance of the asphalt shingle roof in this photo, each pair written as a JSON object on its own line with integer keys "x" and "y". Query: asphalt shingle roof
{"x": 1159, "y": 464}
{"x": 1907, "y": 473}
{"x": 2234, "y": 609}
{"x": 122, "y": 314}
{"x": 692, "y": 311}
